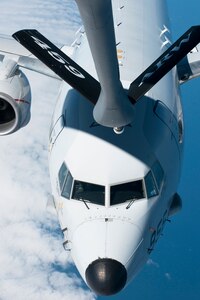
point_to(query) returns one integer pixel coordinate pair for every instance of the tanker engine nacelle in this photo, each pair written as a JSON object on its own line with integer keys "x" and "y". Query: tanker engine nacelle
{"x": 15, "y": 98}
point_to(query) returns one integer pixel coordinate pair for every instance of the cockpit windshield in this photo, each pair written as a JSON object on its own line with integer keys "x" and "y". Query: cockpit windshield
{"x": 126, "y": 192}
{"x": 93, "y": 193}
{"x": 148, "y": 187}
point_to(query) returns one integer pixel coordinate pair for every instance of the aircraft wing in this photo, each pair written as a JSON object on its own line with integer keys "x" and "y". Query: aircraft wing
{"x": 10, "y": 48}
{"x": 189, "y": 67}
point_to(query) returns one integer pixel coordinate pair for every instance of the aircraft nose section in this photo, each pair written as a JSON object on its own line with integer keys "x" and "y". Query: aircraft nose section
{"x": 106, "y": 276}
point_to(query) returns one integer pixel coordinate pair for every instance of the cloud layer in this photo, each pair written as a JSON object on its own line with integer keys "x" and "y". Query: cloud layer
{"x": 33, "y": 264}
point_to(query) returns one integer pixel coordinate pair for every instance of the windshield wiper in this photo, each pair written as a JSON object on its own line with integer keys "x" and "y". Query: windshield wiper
{"x": 130, "y": 203}
{"x": 84, "y": 201}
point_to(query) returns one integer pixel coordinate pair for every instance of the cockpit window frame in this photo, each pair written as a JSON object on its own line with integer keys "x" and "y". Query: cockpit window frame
{"x": 62, "y": 175}
{"x": 62, "y": 178}
{"x": 158, "y": 175}
{"x": 93, "y": 185}
{"x": 148, "y": 192}
{"x": 157, "y": 178}
{"x": 128, "y": 200}
{"x": 69, "y": 191}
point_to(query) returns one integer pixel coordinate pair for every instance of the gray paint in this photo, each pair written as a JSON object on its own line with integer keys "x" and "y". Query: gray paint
{"x": 113, "y": 108}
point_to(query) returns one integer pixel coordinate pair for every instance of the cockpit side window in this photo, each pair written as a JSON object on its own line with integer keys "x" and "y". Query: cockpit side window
{"x": 65, "y": 181}
{"x": 62, "y": 175}
{"x": 158, "y": 174}
{"x": 66, "y": 191}
{"x": 90, "y": 192}
{"x": 127, "y": 191}
{"x": 151, "y": 187}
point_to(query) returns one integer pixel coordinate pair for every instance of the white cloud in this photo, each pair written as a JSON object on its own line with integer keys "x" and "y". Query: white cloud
{"x": 168, "y": 276}
{"x": 151, "y": 262}
{"x": 58, "y": 19}
{"x": 33, "y": 264}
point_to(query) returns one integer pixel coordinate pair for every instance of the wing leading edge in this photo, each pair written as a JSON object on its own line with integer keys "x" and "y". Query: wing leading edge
{"x": 10, "y": 48}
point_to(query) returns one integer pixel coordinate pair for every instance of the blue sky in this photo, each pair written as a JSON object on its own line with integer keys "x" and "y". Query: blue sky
{"x": 31, "y": 255}
{"x": 175, "y": 269}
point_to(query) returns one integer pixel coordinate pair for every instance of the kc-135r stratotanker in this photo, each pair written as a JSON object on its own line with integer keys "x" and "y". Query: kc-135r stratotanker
{"x": 117, "y": 134}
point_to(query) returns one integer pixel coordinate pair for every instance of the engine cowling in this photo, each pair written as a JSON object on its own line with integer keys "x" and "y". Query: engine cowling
{"x": 15, "y": 102}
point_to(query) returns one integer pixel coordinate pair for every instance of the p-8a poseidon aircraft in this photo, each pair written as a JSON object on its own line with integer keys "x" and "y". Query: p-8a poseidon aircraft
{"x": 116, "y": 138}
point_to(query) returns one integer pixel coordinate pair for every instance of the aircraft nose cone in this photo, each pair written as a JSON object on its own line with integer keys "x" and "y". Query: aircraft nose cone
{"x": 106, "y": 276}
